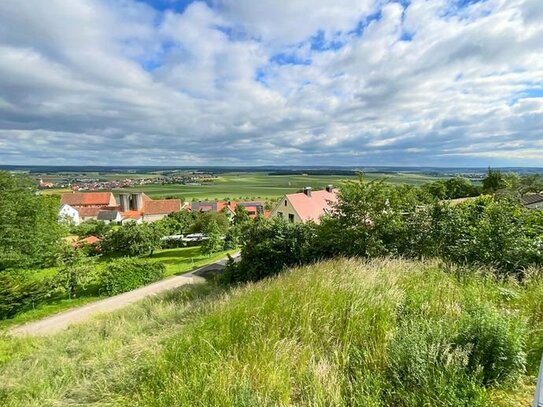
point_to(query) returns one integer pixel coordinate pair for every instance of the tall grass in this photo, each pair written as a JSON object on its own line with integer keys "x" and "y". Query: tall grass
{"x": 338, "y": 333}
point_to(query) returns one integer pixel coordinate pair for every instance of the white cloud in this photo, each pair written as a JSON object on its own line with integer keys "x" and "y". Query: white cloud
{"x": 89, "y": 81}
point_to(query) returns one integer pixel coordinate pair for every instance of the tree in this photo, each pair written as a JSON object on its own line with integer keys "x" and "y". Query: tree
{"x": 30, "y": 234}
{"x": 494, "y": 181}
{"x": 270, "y": 245}
{"x": 134, "y": 240}
{"x": 459, "y": 187}
{"x": 91, "y": 228}
{"x": 241, "y": 216}
{"x": 213, "y": 243}
{"x": 204, "y": 219}
{"x": 178, "y": 223}
{"x": 76, "y": 272}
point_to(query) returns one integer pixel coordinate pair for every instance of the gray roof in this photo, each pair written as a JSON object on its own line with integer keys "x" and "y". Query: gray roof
{"x": 107, "y": 215}
{"x": 532, "y": 199}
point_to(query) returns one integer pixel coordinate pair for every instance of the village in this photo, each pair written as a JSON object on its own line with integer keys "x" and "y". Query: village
{"x": 78, "y": 207}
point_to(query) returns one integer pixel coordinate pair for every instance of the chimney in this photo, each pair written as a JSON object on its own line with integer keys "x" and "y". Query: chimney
{"x": 307, "y": 191}
{"x": 329, "y": 188}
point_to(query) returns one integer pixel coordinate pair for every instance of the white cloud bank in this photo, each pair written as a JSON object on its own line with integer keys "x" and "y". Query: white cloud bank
{"x": 367, "y": 82}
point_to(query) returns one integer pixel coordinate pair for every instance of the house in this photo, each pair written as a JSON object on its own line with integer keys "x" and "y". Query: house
{"x": 89, "y": 213}
{"x": 253, "y": 209}
{"x": 70, "y": 214}
{"x": 129, "y": 207}
{"x": 109, "y": 216}
{"x": 533, "y": 201}
{"x": 89, "y": 200}
{"x": 306, "y": 206}
{"x": 87, "y": 204}
{"x": 138, "y": 207}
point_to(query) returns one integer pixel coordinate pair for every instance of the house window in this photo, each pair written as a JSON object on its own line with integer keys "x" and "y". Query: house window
{"x": 285, "y": 202}
{"x": 280, "y": 214}
{"x": 291, "y": 218}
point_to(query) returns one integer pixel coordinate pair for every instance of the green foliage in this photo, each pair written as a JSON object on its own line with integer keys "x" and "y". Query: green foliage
{"x": 205, "y": 219}
{"x": 19, "y": 292}
{"x": 30, "y": 233}
{"x": 494, "y": 345}
{"x": 213, "y": 243}
{"x": 457, "y": 187}
{"x": 241, "y": 216}
{"x": 488, "y": 232}
{"x": 76, "y": 272}
{"x": 134, "y": 240}
{"x": 91, "y": 228}
{"x": 339, "y": 333}
{"x": 494, "y": 181}
{"x": 270, "y": 245}
{"x": 178, "y": 223}
{"x": 127, "y": 274}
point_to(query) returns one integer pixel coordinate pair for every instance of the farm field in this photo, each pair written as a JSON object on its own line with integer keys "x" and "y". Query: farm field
{"x": 264, "y": 186}
{"x": 177, "y": 262}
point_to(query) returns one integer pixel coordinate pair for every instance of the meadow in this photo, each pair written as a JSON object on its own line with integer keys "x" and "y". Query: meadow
{"x": 264, "y": 186}
{"x": 338, "y": 333}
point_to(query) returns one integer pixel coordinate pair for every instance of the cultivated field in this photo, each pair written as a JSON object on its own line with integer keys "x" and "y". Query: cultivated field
{"x": 264, "y": 186}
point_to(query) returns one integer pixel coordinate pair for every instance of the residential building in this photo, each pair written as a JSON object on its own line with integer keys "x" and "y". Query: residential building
{"x": 254, "y": 209}
{"x": 306, "y": 206}
{"x": 130, "y": 207}
{"x": 89, "y": 200}
{"x": 533, "y": 201}
{"x": 109, "y": 216}
{"x": 69, "y": 213}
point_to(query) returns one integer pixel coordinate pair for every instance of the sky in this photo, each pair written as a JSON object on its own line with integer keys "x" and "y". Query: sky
{"x": 271, "y": 82}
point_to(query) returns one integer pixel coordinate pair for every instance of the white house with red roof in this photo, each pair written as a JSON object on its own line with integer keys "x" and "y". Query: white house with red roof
{"x": 131, "y": 207}
{"x": 306, "y": 206}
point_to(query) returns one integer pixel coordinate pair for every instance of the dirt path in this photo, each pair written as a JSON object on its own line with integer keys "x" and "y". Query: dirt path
{"x": 61, "y": 321}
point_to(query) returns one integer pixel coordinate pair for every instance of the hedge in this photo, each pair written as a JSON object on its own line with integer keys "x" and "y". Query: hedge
{"x": 126, "y": 274}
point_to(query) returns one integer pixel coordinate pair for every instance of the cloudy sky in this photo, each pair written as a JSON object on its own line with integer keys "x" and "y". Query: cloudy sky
{"x": 246, "y": 82}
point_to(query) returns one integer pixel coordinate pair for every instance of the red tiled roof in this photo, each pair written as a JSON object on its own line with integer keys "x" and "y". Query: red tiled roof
{"x": 87, "y": 198}
{"x": 313, "y": 207}
{"x": 91, "y": 240}
{"x": 88, "y": 212}
{"x": 131, "y": 214}
{"x": 159, "y": 207}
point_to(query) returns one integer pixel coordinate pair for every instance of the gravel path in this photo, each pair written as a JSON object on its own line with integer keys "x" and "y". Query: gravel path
{"x": 61, "y": 321}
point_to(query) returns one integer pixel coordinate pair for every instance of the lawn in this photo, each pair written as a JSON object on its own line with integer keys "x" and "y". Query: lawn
{"x": 338, "y": 333}
{"x": 177, "y": 261}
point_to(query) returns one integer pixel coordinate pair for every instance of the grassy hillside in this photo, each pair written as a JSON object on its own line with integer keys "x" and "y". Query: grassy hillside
{"x": 340, "y": 333}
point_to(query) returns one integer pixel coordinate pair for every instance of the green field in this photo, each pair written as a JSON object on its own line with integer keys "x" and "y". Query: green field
{"x": 338, "y": 333}
{"x": 177, "y": 261}
{"x": 263, "y": 186}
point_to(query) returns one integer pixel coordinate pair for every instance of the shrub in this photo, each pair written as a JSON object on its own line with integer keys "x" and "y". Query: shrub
{"x": 18, "y": 293}
{"x": 494, "y": 344}
{"x": 269, "y": 246}
{"x": 127, "y": 274}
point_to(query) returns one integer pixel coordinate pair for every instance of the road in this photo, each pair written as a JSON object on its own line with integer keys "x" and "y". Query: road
{"x": 63, "y": 320}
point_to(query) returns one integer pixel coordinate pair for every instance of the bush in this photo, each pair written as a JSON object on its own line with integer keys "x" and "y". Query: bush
{"x": 494, "y": 345}
{"x": 268, "y": 247}
{"x": 18, "y": 293}
{"x": 127, "y": 274}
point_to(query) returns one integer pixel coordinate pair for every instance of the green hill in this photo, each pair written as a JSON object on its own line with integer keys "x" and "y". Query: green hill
{"x": 339, "y": 333}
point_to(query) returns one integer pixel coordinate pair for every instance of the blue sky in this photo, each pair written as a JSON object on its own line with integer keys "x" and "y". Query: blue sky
{"x": 244, "y": 82}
